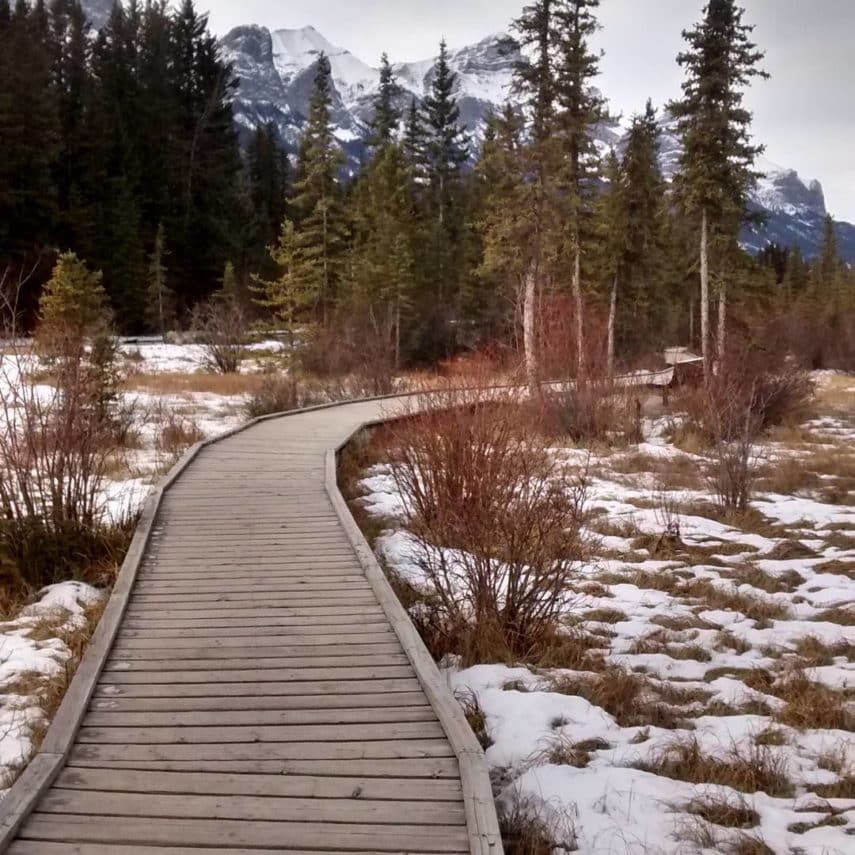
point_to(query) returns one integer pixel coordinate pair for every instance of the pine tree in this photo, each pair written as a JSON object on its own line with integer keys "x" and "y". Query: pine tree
{"x": 536, "y": 216}
{"x": 317, "y": 200}
{"x": 73, "y": 309}
{"x": 645, "y": 243}
{"x": 447, "y": 146}
{"x": 580, "y": 109}
{"x": 160, "y": 296}
{"x": 716, "y": 167}
{"x": 29, "y": 139}
{"x": 386, "y": 117}
{"x": 507, "y": 225}
{"x": 445, "y": 151}
{"x": 382, "y": 258}
{"x": 414, "y": 137}
{"x": 267, "y": 174}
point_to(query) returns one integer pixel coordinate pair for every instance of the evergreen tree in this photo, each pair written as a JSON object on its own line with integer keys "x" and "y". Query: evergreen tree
{"x": 445, "y": 151}
{"x": 716, "y": 171}
{"x": 580, "y": 109}
{"x": 316, "y": 200}
{"x": 267, "y": 173}
{"x": 512, "y": 260}
{"x": 205, "y": 228}
{"x": 29, "y": 139}
{"x": 160, "y": 296}
{"x": 414, "y": 137}
{"x": 386, "y": 117}
{"x": 534, "y": 212}
{"x": 644, "y": 215}
{"x": 382, "y": 259}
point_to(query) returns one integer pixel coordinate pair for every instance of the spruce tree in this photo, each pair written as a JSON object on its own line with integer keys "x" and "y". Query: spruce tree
{"x": 316, "y": 200}
{"x": 386, "y": 116}
{"x": 534, "y": 213}
{"x": 580, "y": 109}
{"x": 446, "y": 150}
{"x": 716, "y": 166}
{"x": 29, "y": 139}
{"x": 382, "y": 259}
{"x": 160, "y": 296}
{"x": 645, "y": 243}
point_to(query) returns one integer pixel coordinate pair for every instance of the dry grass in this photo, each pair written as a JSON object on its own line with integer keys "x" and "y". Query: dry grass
{"x": 726, "y": 811}
{"x": 525, "y": 832}
{"x": 717, "y": 597}
{"x": 815, "y": 652}
{"x": 628, "y": 697}
{"x": 812, "y": 705}
{"x": 772, "y": 736}
{"x": 49, "y": 690}
{"x": 228, "y": 385}
{"x": 746, "y": 769}
{"x": 476, "y": 717}
{"x": 843, "y": 615}
{"x": 563, "y": 751}
{"x": 751, "y": 574}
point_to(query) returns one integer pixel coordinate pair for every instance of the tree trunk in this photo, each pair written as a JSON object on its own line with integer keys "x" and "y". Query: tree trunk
{"x": 705, "y": 294}
{"x": 529, "y": 333}
{"x": 611, "y": 333}
{"x": 577, "y": 300}
{"x": 722, "y": 325}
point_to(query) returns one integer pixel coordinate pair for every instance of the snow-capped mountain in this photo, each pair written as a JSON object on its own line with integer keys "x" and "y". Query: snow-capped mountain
{"x": 276, "y": 71}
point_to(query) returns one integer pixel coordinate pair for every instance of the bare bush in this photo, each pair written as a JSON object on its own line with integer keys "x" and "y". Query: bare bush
{"x": 748, "y": 395}
{"x": 220, "y": 325}
{"x": 499, "y": 520}
{"x": 350, "y": 360}
{"x": 281, "y": 393}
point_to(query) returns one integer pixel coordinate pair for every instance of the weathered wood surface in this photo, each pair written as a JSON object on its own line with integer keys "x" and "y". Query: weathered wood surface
{"x": 255, "y": 687}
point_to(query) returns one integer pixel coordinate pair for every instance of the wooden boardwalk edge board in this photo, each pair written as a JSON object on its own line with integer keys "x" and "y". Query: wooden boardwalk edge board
{"x": 46, "y": 765}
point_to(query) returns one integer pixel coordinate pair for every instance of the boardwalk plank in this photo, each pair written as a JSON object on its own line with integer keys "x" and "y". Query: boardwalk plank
{"x": 212, "y": 833}
{"x": 252, "y": 695}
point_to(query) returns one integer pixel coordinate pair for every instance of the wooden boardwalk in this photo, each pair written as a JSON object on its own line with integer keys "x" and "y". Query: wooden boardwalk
{"x": 255, "y": 687}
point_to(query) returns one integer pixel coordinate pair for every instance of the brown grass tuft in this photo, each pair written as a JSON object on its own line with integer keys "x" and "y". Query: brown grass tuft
{"x": 812, "y": 705}
{"x": 747, "y": 769}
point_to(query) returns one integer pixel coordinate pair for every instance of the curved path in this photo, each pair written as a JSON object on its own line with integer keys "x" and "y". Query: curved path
{"x": 254, "y": 685}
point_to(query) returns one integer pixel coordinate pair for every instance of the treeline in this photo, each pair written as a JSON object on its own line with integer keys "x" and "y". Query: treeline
{"x": 578, "y": 257}
{"x": 109, "y": 140}
{"x": 536, "y": 240}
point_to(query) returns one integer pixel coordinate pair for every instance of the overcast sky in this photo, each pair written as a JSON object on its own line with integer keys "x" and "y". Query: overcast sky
{"x": 805, "y": 114}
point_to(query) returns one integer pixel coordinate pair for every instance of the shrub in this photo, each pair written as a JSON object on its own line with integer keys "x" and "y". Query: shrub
{"x": 59, "y": 439}
{"x": 591, "y": 409}
{"x": 500, "y": 521}
{"x": 350, "y": 359}
{"x": 281, "y": 393}
{"x": 220, "y": 325}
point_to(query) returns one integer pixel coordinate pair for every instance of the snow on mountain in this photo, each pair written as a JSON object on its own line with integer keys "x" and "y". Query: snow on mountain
{"x": 276, "y": 71}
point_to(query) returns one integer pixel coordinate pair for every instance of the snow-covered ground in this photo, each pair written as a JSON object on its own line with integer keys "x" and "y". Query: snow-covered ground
{"x": 37, "y": 649}
{"x": 714, "y": 710}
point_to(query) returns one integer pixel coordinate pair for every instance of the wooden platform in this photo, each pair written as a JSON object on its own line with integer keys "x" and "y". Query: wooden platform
{"x": 255, "y": 687}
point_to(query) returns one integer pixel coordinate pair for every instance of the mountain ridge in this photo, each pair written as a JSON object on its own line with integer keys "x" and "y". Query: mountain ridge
{"x": 275, "y": 69}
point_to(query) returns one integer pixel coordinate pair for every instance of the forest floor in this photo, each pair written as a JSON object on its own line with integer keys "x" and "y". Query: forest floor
{"x": 711, "y": 706}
